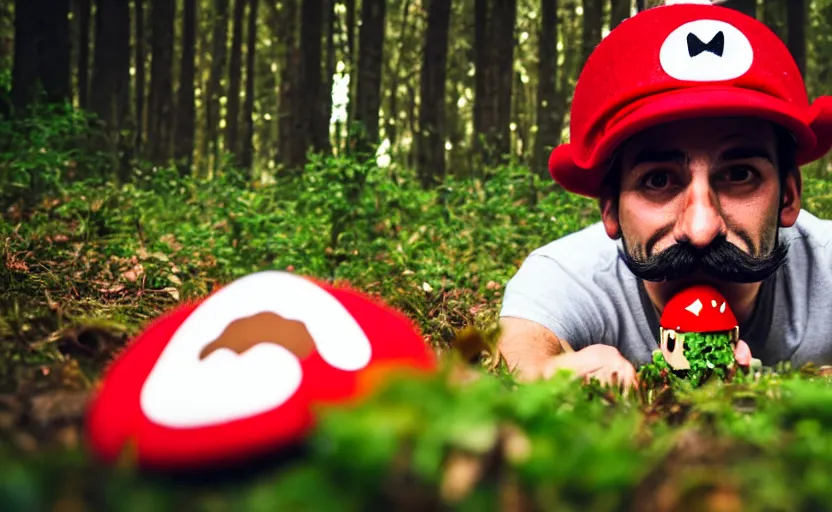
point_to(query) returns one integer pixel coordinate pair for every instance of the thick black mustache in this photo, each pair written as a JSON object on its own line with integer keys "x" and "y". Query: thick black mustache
{"x": 721, "y": 260}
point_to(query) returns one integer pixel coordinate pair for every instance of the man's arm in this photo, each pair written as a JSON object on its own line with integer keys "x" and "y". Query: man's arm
{"x": 526, "y": 346}
{"x": 533, "y": 352}
{"x": 550, "y": 321}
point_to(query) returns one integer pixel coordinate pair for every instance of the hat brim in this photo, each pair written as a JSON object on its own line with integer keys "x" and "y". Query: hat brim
{"x": 584, "y": 175}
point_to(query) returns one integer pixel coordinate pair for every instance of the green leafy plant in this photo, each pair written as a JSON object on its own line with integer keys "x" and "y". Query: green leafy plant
{"x": 710, "y": 355}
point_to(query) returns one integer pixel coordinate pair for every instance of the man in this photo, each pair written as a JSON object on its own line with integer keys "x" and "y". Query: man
{"x": 688, "y": 125}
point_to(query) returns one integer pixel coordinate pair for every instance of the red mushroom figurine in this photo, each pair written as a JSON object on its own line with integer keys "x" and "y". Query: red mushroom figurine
{"x": 236, "y": 375}
{"x": 698, "y": 309}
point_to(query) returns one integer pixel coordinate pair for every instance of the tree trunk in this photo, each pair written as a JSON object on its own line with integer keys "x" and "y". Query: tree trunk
{"x": 593, "y": 18}
{"x": 25, "y": 59}
{"x": 83, "y": 52}
{"x": 292, "y": 136}
{"x": 161, "y": 80}
{"x": 494, "y": 22}
{"x": 235, "y": 71}
{"x": 124, "y": 124}
{"x": 54, "y": 49}
{"x": 392, "y": 117}
{"x": 774, "y": 16}
{"x": 370, "y": 55}
{"x": 501, "y": 78}
{"x": 214, "y": 90}
{"x": 102, "y": 101}
{"x": 110, "y": 85}
{"x": 326, "y": 93}
{"x": 185, "y": 109}
{"x": 247, "y": 150}
{"x": 311, "y": 46}
{"x": 568, "y": 71}
{"x": 352, "y": 59}
{"x": 481, "y": 49}
{"x": 139, "y": 84}
{"x": 430, "y": 143}
{"x": 520, "y": 118}
{"x": 796, "y": 16}
{"x": 41, "y": 52}
{"x": 548, "y": 118}
{"x": 619, "y": 11}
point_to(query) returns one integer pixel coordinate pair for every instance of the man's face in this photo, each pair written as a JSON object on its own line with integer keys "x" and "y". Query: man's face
{"x": 700, "y": 201}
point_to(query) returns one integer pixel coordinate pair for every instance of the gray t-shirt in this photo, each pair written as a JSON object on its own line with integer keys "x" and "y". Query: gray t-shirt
{"x": 579, "y": 287}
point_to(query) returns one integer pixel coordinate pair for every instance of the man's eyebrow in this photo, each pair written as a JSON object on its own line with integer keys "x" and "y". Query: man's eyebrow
{"x": 745, "y": 153}
{"x": 659, "y": 156}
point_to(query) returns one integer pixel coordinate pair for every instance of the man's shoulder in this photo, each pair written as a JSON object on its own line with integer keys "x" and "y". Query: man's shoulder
{"x": 809, "y": 241}
{"x": 585, "y": 248}
{"x": 814, "y": 230}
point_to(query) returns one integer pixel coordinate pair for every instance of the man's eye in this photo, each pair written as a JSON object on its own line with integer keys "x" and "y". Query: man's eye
{"x": 656, "y": 180}
{"x": 739, "y": 174}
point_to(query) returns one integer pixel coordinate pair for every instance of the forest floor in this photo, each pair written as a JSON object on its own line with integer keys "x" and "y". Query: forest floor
{"x": 83, "y": 269}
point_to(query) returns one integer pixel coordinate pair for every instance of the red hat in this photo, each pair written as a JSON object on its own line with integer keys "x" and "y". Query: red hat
{"x": 239, "y": 374}
{"x": 682, "y": 61}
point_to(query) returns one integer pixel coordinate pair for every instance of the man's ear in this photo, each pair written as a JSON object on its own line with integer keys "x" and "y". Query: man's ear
{"x": 609, "y": 215}
{"x": 790, "y": 198}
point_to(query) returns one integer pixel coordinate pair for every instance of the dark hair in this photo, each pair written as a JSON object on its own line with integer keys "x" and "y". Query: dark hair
{"x": 786, "y": 148}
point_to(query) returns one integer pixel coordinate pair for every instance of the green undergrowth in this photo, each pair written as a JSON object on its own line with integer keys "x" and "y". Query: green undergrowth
{"x": 86, "y": 263}
{"x": 488, "y": 443}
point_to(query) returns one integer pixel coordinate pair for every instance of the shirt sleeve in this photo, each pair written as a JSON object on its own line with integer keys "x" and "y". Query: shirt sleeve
{"x": 545, "y": 292}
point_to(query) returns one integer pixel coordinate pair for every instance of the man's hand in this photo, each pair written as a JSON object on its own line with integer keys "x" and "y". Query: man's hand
{"x": 742, "y": 354}
{"x": 601, "y": 362}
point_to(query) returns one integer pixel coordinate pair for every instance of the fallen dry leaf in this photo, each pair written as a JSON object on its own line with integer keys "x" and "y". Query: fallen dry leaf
{"x": 133, "y": 274}
{"x": 15, "y": 264}
{"x": 173, "y": 292}
{"x": 170, "y": 241}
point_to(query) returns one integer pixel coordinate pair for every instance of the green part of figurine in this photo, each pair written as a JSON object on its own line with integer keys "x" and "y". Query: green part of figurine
{"x": 710, "y": 355}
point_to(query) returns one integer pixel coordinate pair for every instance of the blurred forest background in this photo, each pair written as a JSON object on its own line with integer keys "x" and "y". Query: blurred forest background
{"x": 434, "y": 86}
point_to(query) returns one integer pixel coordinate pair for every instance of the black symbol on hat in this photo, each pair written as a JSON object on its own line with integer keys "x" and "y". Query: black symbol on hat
{"x": 715, "y": 45}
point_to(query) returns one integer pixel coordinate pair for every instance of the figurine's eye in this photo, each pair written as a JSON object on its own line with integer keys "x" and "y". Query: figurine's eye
{"x": 671, "y": 343}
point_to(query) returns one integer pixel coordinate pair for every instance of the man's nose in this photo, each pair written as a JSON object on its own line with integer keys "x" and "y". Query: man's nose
{"x": 700, "y": 219}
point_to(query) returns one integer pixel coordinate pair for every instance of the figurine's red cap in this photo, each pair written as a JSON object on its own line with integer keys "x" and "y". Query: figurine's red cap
{"x": 700, "y": 308}
{"x": 684, "y": 61}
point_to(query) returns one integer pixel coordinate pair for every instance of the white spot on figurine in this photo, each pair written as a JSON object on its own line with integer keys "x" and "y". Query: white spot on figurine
{"x": 722, "y": 308}
{"x": 713, "y": 303}
{"x": 695, "y": 307}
